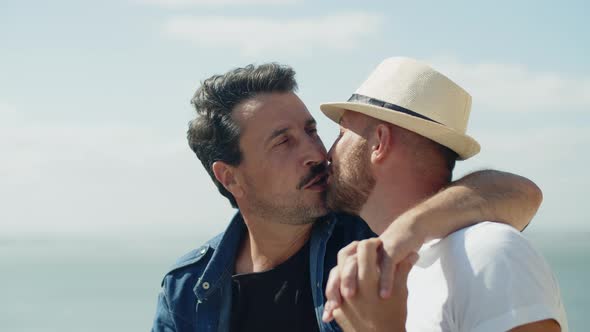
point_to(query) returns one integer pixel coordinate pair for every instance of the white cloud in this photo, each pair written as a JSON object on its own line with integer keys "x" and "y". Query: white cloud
{"x": 257, "y": 35}
{"x": 90, "y": 178}
{"x": 515, "y": 88}
{"x": 97, "y": 179}
{"x": 541, "y": 150}
{"x": 187, "y": 3}
{"x": 553, "y": 157}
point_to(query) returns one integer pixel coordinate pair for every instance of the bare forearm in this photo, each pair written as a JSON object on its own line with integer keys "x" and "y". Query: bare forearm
{"x": 479, "y": 196}
{"x": 506, "y": 197}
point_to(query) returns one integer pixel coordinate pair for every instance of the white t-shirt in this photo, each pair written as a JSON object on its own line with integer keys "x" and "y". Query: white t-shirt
{"x": 482, "y": 278}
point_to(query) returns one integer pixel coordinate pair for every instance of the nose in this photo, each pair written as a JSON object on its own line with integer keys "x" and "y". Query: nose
{"x": 315, "y": 152}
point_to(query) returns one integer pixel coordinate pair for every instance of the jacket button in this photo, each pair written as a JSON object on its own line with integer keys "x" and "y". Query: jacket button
{"x": 205, "y": 285}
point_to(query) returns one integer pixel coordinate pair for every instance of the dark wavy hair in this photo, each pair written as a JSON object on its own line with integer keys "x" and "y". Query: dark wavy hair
{"x": 214, "y": 135}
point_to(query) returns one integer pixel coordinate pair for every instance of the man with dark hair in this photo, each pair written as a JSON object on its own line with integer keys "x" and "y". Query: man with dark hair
{"x": 396, "y": 133}
{"x": 268, "y": 270}
{"x": 214, "y": 135}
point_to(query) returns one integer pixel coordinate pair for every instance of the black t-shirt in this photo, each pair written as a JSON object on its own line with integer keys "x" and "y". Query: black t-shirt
{"x": 275, "y": 300}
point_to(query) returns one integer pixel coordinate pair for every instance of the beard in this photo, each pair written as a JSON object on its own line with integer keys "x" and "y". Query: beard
{"x": 291, "y": 208}
{"x": 287, "y": 211}
{"x": 351, "y": 181}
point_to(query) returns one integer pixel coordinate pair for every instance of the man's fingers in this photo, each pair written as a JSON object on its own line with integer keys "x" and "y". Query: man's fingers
{"x": 338, "y": 314}
{"x": 332, "y": 295}
{"x": 328, "y": 314}
{"x": 345, "y": 252}
{"x": 368, "y": 268}
{"x": 333, "y": 286}
{"x": 348, "y": 277}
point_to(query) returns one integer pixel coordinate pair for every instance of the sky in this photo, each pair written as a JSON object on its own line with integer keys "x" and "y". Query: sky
{"x": 94, "y": 97}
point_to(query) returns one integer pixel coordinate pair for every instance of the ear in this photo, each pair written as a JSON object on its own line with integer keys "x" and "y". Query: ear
{"x": 225, "y": 174}
{"x": 381, "y": 143}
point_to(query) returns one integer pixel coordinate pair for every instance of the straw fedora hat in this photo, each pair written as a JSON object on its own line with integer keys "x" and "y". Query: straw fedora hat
{"x": 412, "y": 95}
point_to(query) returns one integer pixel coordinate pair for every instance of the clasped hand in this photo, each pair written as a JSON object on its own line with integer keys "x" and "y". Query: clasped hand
{"x": 367, "y": 290}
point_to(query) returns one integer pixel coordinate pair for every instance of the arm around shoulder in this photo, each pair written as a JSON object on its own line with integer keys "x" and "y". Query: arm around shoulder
{"x": 505, "y": 197}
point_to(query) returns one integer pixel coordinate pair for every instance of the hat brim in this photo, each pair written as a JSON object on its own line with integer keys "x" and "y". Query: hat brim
{"x": 464, "y": 145}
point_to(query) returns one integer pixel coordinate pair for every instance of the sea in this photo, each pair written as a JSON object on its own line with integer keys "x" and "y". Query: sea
{"x": 110, "y": 283}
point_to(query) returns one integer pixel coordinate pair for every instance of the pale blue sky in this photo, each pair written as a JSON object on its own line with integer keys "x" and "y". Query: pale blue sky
{"x": 94, "y": 96}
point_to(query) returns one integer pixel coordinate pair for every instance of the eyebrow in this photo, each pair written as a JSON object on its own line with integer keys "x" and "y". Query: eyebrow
{"x": 281, "y": 131}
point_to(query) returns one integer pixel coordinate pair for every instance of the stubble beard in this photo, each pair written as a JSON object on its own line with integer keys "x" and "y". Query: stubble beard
{"x": 351, "y": 181}
{"x": 291, "y": 209}
{"x": 290, "y": 213}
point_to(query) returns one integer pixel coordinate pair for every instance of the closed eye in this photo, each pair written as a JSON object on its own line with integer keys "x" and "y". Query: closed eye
{"x": 282, "y": 141}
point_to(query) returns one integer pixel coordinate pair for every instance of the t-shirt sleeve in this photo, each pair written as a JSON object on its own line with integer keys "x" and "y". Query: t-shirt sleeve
{"x": 507, "y": 284}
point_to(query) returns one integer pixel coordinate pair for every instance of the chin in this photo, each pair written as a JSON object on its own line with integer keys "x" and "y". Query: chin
{"x": 318, "y": 210}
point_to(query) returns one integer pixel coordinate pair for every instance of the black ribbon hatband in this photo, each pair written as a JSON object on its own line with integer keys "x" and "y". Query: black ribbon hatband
{"x": 357, "y": 98}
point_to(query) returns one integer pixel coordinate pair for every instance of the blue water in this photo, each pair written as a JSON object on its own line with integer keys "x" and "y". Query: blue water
{"x": 82, "y": 283}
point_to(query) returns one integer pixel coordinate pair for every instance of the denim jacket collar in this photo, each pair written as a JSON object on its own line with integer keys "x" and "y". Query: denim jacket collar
{"x": 221, "y": 264}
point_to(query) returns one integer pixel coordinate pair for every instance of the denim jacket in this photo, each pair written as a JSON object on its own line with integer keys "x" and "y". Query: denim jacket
{"x": 196, "y": 293}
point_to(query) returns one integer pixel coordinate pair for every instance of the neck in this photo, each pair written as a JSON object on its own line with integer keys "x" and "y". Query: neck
{"x": 268, "y": 244}
{"x": 391, "y": 197}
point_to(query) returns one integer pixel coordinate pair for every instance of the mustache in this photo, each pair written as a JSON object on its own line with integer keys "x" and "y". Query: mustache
{"x": 313, "y": 172}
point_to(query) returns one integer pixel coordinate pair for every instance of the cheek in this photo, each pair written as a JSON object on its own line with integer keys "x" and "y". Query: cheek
{"x": 278, "y": 172}
{"x": 339, "y": 150}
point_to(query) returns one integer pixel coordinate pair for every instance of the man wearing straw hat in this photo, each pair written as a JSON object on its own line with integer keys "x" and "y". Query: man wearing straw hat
{"x": 400, "y": 134}
{"x": 267, "y": 271}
